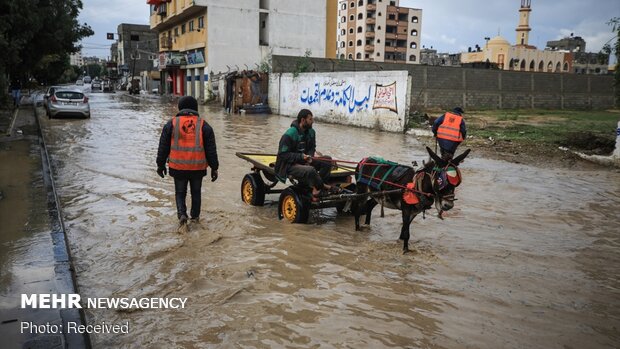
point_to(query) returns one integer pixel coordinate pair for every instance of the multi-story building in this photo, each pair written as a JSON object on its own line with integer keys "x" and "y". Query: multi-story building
{"x": 199, "y": 38}
{"x": 379, "y": 30}
{"x": 137, "y": 47}
{"x": 498, "y": 52}
{"x": 429, "y": 56}
{"x": 582, "y": 62}
{"x": 76, "y": 59}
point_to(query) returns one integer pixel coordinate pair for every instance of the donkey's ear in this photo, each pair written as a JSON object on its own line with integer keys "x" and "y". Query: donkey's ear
{"x": 439, "y": 161}
{"x": 461, "y": 157}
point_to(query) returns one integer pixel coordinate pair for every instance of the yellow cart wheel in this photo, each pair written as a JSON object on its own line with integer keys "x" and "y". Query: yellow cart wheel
{"x": 292, "y": 207}
{"x": 253, "y": 189}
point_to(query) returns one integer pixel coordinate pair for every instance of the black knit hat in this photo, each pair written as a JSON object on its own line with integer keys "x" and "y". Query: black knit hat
{"x": 188, "y": 102}
{"x": 458, "y": 110}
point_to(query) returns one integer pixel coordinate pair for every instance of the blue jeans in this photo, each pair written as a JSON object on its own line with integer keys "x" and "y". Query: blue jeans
{"x": 180, "y": 191}
{"x": 16, "y": 97}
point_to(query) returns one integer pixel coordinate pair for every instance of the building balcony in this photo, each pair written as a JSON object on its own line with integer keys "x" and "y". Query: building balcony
{"x": 370, "y": 34}
{"x": 369, "y": 48}
{"x": 392, "y": 22}
{"x": 165, "y": 43}
{"x": 371, "y": 20}
{"x": 371, "y": 7}
{"x": 391, "y": 35}
{"x": 398, "y": 49}
{"x": 392, "y": 9}
{"x": 403, "y": 10}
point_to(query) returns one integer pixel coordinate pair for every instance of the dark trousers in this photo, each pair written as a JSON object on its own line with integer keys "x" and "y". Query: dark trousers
{"x": 313, "y": 174}
{"x": 180, "y": 192}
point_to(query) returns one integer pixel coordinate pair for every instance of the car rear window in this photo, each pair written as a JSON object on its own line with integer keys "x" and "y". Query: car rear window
{"x": 69, "y": 95}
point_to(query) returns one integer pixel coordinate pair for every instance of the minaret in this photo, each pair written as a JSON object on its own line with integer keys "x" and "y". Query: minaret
{"x": 523, "y": 30}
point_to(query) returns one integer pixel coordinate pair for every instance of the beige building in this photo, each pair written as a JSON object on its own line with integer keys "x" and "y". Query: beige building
{"x": 202, "y": 38}
{"x": 522, "y": 56}
{"x": 379, "y": 30}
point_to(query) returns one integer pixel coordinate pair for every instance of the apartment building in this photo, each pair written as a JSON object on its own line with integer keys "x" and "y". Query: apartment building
{"x": 199, "y": 38}
{"x": 76, "y": 59}
{"x": 379, "y": 30}
{"x": 137, "y": 47}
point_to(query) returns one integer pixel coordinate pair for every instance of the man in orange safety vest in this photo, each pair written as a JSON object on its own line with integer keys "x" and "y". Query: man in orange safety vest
{"x": 187, "y": 143}
{"x": 450, "y": 131}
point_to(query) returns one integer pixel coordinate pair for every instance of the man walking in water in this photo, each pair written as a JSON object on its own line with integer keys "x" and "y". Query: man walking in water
{"x": 187, "y": 142}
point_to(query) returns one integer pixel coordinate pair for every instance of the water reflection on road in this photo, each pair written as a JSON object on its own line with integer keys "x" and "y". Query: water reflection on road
{"x": 528, "y": 258}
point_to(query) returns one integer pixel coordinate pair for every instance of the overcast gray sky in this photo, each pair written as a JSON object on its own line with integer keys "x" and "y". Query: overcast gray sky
{"x": 447, "y": 25}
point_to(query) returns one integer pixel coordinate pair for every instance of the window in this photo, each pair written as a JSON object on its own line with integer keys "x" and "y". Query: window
{"x": 566, "y": 67}
{"x": 379, "y": 28}
{"x": 352, "y": 5}
{"x": 352, "y": 17}
{"x": 134, "y": 37}
{"x": 359, "y": 29}
{"x": 176, "y": 31}
{"x": 343, "y": 6}
{"x": 201, "y": 22}
{"x": 392, "y": 3}
{"x": 359, "y": 42}
{"x": 414, "y": 33}
{"x": 532, "y": 65}
{"x": 379, "y": 53}
{"x": 414, "y": 19}
{"x": 263, "y": 24}
{"x": 378, "y": 41}
{"x": 360, "y": 16}
{"x": 358, "y": 56}
{"x": 350, "y": 30}
{"x": 351, "y": 43}
{"x": 191, "y": 25}
{"x": 342, "y": 56}
{"x": 413, "y": 45}
{"x": 541, "y": 65}
{"x": 379, "y": 14}
{"x": 343, "y": 32}
{"x": 183, "y": 28}
{"x": 342, "y": 44}
{"x": 350, "y": 56}
{"x": 343, "y": 19}
{"x": 367, "y": 56}
{"x": 360, "y": 3}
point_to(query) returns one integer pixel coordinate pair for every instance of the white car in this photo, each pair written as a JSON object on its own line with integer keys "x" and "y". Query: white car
{"x": 80, "y": 82}
{"x": 68, "y": 102}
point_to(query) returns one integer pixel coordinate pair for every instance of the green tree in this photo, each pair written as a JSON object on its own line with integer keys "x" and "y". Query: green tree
{"x": 37, "y": 34}
{"x": 615, "y": 25}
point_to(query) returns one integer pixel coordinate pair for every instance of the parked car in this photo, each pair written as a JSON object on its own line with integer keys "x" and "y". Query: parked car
{"x": 87, "y": 79}
{"x": 68, "y": 102}
{"x": 79, "y": 82}
{"x": 95, "y": 86}
{"x": 107, "y": 86}
{"x": 46, "y": 97}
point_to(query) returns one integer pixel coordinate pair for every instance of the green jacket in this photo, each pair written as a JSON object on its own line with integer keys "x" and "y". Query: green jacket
{"x": 293, "y": 145}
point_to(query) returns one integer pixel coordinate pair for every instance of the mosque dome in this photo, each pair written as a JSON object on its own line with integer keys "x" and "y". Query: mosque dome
{"x": 498, "y": 41}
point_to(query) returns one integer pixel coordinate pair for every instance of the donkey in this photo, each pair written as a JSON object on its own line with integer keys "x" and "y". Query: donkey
{"x": 434, "y": 183}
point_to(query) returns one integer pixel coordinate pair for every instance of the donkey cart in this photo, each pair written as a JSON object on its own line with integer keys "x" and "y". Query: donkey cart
{"x": 295, "y": 200}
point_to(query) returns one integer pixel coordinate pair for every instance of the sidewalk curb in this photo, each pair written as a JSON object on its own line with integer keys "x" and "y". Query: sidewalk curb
{"x": 9, "y": 131}
{"x": 66, "y": 279}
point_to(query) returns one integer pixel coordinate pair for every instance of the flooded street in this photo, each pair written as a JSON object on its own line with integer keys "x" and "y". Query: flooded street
{"x": 528, "y": 257}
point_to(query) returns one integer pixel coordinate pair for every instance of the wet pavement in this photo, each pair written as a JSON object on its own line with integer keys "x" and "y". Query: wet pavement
{"x": 527, "y": 258}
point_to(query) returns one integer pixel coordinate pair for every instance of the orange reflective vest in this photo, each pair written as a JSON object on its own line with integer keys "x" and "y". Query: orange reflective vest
{"x": 450, "y": 128}
{"x": 186, "y": 147}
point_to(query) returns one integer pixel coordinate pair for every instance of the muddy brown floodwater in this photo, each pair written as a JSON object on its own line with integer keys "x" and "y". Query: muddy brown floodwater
{"x": 528, "y": 257}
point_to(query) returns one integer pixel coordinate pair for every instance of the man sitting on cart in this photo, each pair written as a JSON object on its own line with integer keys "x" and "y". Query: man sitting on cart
{"x": 296, "y": 152}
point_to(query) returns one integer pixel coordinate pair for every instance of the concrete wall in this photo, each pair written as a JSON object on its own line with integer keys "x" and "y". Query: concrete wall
{"x": 368, "y": 99}
{"x": 446, "y": 87}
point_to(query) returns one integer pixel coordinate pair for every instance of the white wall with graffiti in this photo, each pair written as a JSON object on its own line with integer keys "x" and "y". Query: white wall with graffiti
{"x": 368, "y": 99}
